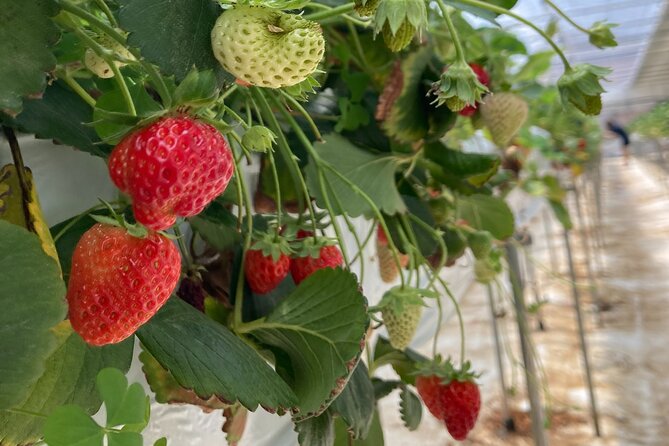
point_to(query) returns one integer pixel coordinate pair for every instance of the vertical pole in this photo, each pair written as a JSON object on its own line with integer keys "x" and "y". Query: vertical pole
{"x": 581, "y": 333}
{"x": 537, "y": 412}
{"x": 509, "y": 425}
{"x": 531, "y": 275}
{"x": 552, "y": 253}
{"x": 586, "y": 251}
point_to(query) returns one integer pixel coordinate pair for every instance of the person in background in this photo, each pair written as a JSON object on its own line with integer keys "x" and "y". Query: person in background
{"x": 620, "y": 131}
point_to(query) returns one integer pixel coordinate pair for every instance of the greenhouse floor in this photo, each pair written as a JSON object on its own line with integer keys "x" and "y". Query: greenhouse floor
{"x": 626, "y": 339}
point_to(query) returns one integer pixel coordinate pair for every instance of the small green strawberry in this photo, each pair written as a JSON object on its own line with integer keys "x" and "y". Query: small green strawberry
{"x": 98, "y": 65}
{"x": 600, "y": 35}
{"x": 399, "y": 20}
{"x": 580, "y": 86}
{"x": 458, "y": 87}
{"x": 401, "y": 309}
{"x": 267, "y": 47}
{"x": 504, "y": 114}
{"x": 487, "y": 268}
{"x": 480, "y": 242}
{"x": 258, "y": 139}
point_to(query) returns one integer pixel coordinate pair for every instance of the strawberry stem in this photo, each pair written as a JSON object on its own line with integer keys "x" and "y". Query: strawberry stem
{"x": 459, "y": 52}
{"x": 24, "y": 182}
{"x": 333, "y": 12}
{"x": 78, "y": 89}
{"x": 566, "y": 17}
{"x": 107, "y": 12}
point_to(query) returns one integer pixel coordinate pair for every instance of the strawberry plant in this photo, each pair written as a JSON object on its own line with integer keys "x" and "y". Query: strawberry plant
{"x": 246, "y": 290}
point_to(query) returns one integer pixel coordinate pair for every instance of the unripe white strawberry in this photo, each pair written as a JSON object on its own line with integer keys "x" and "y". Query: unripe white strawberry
{"x": 266, "y": 47}
{"x": 98, "y": 65}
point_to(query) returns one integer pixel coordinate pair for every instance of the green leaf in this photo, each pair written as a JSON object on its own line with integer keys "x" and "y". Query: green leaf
{"x": 372, "y": 174}
{"x": 27, "y": 34}
{"x": 353, "y": 115}
{"x": 356, "y": 402}
{"x": 124, "y": 438}
{"x": 174, "y": 35}
{"x": 375, "y": 437}
{"x": 32, "y": 300}
{"x": 62, "y": 116}
{"x": 411, "y": 409}
{"x": 536, "y": 65}
{"x": 316, "y": 335}
{"x": 217, "y": 226}
{"x": 161, "y": 442}
{"x": 197, "y": 89}
{"x": 475, "y": 167}
{"x": 316, "y": 431}
{"x": 69, "y": 377}
{"x": 487, "y": 213}
{"x": 112, "y": 131}
{"x": 70, "y": 426}
{"x": 167, "y": 390}
{"x": 403, "y": 362}
{"x": 124, "y": 404}
{"x": 205, "y": 356}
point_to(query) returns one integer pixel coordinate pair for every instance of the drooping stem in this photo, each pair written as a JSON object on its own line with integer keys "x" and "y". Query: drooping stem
{"x": 566, "y": 17}
{"x": 118, "y": 77}
{"x": 297, "y": 106}
{"x": 24, "y": 182}
{"x": 277, "y": 189}
{"x": 339, "y": 10}
{"x": 461, "y": 322}
{"x": 153, "y": 74}
{"x": 78, "y": 89}
{"x": 459, "y": 52}
{"x": 185, "y": 253}
{"x": 500, "y": 10}
{"x": 333, "y": 215}
{"x": 105, "y": 9}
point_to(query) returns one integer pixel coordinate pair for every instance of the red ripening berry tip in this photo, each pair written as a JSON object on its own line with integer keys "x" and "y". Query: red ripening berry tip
{"x": 381, "y": 235}
{"x": 484, "y": 78}
{"x": 302, "y": 267}
{"x": 262, "y": 273}
{"x": 117, "y": 282}
{"x": 173, "y": 167}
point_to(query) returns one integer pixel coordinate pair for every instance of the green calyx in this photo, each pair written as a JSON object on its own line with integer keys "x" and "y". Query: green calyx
{"x": 258, "y": 139}
{"x": 397, "y": 19}
{"x": 600, "y": 35}
{"x": 580, "y": 86}
{"x": 135, "y": 230}
{"x": 271, "y": 244}
{"x": 446, "y": 370}
{"x": 399, "y": 299}
{"x": 458, "y": 87}
{"x": 310, "y": 246}
{"x": 488, "y": 267}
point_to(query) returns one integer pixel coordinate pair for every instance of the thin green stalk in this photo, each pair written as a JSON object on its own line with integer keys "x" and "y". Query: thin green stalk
{"x": 155, "y": 77}
{"x": 185, "y": 254}
{"x": 461, "y": 322}
{"x": 440, "y": 242}
{"x": 566, "y": 17}
{"x": 245, "y": 203}
{"x": 105, "y": 9}
{"x": 459, "y": 52}
{"x": 333, "y": 216}
{"x": 228, "y": 92}
{"x": 235, "y": 115}
{"x": 296, "y": 105}
{"x": 368, "y": 237}
{"x": 440, "y": 317}
{"x": 339, "y": 10}
{"x": 118, "y": 77}
{"x": 352, "y": 230}
{"x": 358, "y": 46}
{"x": 500, "y": 10}
{"x": 277, "y": 188}
{"x": 78, "y": 89}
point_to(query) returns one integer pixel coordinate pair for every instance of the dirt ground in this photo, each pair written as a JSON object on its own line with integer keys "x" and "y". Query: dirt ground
{"x": 626, "y": 340}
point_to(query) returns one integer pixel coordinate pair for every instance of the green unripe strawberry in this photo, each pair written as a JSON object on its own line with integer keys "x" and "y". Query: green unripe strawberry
{"x": 267, "y": 47}
{"x": 258, "y": 139}
{"x": 480, "y": 242}
{"x": 399, "y": 40}
{"x": 504, "y": 114}
{"x": 402, "y": 325}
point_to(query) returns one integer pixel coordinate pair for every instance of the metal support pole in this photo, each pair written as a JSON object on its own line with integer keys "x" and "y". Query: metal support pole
{"x": 586, "y": 251}
{"x": 531, "y": 274}
{"x": 581, "y": 333}
{"x": 509, "y": 424}
{"x": 552, "y": 253}
{"x": 536, "y": 411}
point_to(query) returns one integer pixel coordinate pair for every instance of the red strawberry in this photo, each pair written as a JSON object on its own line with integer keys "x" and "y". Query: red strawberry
{"x": 118, "y": 281}
{"x": 451, "y": 396}
{"x": 302, "y": 267}
{"x": 484, "y": 78}
{"x": 263, "y": 272}
{"x": 175, "y": 166}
